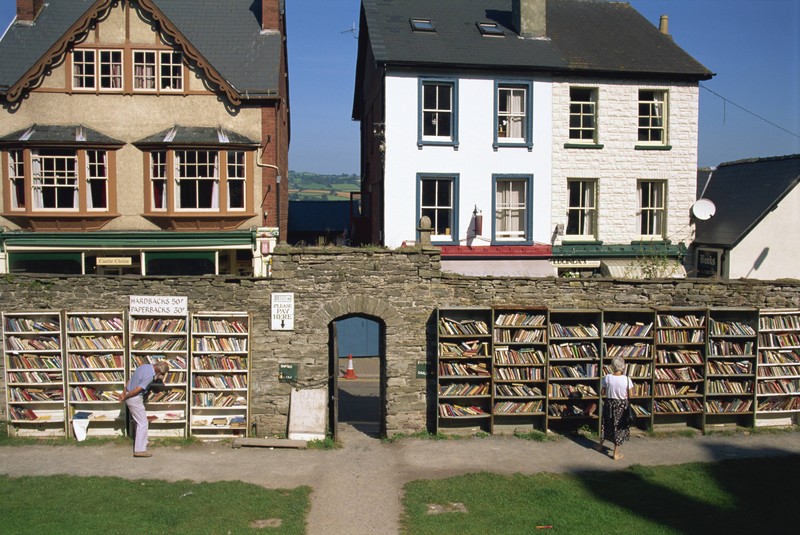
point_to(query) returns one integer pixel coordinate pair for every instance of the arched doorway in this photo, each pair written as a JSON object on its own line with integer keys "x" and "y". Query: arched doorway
{"x": 358, "y": 398}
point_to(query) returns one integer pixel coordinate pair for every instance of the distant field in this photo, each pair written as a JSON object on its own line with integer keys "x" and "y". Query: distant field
{"x": 304, "y": 186}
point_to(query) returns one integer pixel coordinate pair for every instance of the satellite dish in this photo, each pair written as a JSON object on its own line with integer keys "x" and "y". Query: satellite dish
{"x": 704, "y": 209}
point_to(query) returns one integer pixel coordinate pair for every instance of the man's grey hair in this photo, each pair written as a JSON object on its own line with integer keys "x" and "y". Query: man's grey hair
{"x": 161, "y": 367}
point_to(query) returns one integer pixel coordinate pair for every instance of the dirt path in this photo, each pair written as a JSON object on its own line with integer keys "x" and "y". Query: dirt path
{"x": 357, "y": 489}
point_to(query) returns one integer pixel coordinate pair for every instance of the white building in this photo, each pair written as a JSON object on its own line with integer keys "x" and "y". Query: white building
{"x": 527, "y": 113}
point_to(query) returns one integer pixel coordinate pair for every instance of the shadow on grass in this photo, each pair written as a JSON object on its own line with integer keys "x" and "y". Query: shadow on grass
{"x": 756, "y": 494}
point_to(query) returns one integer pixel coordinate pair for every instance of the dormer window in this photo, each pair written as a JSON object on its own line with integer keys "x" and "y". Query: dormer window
{"x": 422, "y": 25}
{"x": 490, "y": 29}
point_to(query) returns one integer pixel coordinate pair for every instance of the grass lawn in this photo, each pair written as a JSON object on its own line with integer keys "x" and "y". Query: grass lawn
{"x": 736, "y": 496}
{"x": 68, "y": 504}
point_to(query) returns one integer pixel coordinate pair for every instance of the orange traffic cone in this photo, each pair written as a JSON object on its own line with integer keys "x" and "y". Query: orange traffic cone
{"x": 350, "y": 373}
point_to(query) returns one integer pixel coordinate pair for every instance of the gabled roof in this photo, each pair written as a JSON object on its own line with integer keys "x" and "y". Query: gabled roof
{"x": 590, "y": 37}
{"x": 744, "y": 192}
{"x": 223, "y": 38}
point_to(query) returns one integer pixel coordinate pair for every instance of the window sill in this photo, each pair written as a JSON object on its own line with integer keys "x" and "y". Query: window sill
{"x": 521, "y": 145}
{"x": 199, "y": 221}
{"x": 421, "y": 144}
{"x": 652, "y": 147}
{"x": 595, "y": 146}
{"x": 60, "y": 221}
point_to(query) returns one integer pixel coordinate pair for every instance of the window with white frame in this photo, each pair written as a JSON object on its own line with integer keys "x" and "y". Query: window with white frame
{"x": 84, "y": 73}
{"x": 158, "y": 180}
{"x": 171, "y": 71}
{"x": 236, "y": 180}
{"x": 97, "y": 180}
{"x": 652, "y": 117}
{"x": 652, "y": 208}
{"x": 196, "y": 180}
{"x": 110, "y": 69}
{"x": 437, "y": 100}
{"x": 511, "y": 210}
{"x": 582, "y": 115}
{"x": 55, "y": 179}
{"x": 437, "y": 203}
{"x": 512, "y": 113}
{"x": 144, "y": 70}
{"x": 16, "y": 176}
{"x": 582, "y": 209}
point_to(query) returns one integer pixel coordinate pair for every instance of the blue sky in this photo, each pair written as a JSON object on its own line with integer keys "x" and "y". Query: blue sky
{"x": 753, "y": 46}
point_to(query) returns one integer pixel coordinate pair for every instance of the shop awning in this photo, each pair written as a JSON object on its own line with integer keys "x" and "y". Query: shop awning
{"x": 633, "y": 268}
{"x": 499, "y": 268}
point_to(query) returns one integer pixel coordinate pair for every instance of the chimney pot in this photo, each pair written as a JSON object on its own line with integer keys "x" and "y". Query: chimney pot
{"x": 28, "y": 10}
{"x": 530, "y": 18}
{"x": 663, "y": 25}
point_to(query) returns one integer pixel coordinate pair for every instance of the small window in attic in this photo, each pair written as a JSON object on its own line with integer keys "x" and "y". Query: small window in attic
{"x": 422, "y": 25}
{"x": 490, "y": 29}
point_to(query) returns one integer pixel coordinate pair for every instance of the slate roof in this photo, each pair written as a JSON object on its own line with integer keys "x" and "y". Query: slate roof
{"x": 197, "y": 135}
{"x": 744, "y": 192}
{"x": 71, "y": 135}
{"x": 227, "y": 34}
{"x": 585, "y": 37}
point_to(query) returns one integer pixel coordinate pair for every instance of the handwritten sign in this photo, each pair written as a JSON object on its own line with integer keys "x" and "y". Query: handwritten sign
{"x": 283, "y": 311}
{"x": 160, "y": 305}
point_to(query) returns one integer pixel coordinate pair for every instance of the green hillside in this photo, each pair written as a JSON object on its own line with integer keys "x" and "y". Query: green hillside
{"x": 305, "y": 186}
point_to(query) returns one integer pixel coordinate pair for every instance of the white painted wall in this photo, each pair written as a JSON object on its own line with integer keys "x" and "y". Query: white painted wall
{"x": 772, "y": 249}
{"x": 475, "y": 160}
{"x": 618, "y": 166}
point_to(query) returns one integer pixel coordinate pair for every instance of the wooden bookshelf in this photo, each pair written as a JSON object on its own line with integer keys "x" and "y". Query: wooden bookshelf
{"x": 519, "y": 375}
{"x": 464, "y": 370}
{"x": 220, "y": 370}
{"x": 573, "y": 382}
{"x": 778, "y": 368}
{"x": 731, "y": 368}
{"x": 96, "y": 371}
{"x": 153, "y": 338}
{"x": 34, "y": 372}
{"x": 679, "y": 375}
{"x": 630, "y": 334}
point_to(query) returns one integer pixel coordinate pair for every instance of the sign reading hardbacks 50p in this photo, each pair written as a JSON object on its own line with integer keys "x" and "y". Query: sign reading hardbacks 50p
{"x": 161, "y": 305}
{"x": 283, "y": 311}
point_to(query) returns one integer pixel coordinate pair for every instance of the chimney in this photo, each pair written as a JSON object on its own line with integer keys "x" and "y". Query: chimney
{"x": 663, "y": 25}
{"x": 28, "y": 10}
{"x": 270, "y": 15}
{"x": 530, "y": 18}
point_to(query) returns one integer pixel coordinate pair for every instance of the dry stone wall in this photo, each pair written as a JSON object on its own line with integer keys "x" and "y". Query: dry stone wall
{"x": 400, "y": 289}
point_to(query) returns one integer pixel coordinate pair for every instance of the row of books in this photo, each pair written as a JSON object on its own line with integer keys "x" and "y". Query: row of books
{"x": 466, "y": 327}
{"x": 116, "y": 376}
{"x": 628, "y": 351}
{"x": 28, "y": 325}
{"x": 467, "y": 348}
{"x": 210, "y": 399}
{"x": 90, "y": 323}
{"x": 448, "y": 410}
{"x": 673, "y": 389}
{"x": 30, "y": 395}
{"x": 110, "y": 360}
{"x": 96, "y": 342}
{"x": 672, "y": 320}
{"x": 717, "y": 367}
{"x": 520, "y": 320}
{"x": 234, "y": 422}
{"x": 466, "y": 369}
{"x": 641, "y": 389}
{"x": 173, "y": 395}
{"x": 779, "y": 340}
{"x": 560, "y": 390}
{"x": 580, "y": 371}
{"x": 779, "y": 386}
{"x": 573, "y": 351}
{"x": 518, "y": 374}
{"x": 679, "y": 356}
{"x": 464, "y": 389}
{"x": 621, "y": 329}
{"x": 780, "y": 322}
{"x": 778, "y": 371}
{"x": 159, "y": 344}
{"x": 220, "y": 344}
{"x": 678, "y": 374}
{"x": 513, "y": 407}
{"x": 505, "y": 355}
{"x": 681, "y": 337}
{"x": 516, "y": 390}
{"x": 40, "y": 343}
{"x": 37, "y": 377}
{"x": 726, "y": 386}
{"x": 219, "y": 326}
{"x": 519, "y": 336}
{"x": 219, "y": 381}
{"x": 159, "y": 325}
{"x": 679, "y": 405}
{"x": 725, "y": 348}
{"x": 175, "y": 363}
{"x": 219, "y": 363}
{"x": 779, "y": 404}
{"x": 735, "y": 405}
{"x": 558, "y": 330}
{"x": 32, "y": 362}
{"x": 779, "y": 357}
{"x": 86, "y": 394}
{"x": 733, "y": 328}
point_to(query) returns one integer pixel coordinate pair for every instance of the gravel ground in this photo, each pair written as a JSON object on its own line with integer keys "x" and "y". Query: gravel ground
{"x": 357, "y": 489}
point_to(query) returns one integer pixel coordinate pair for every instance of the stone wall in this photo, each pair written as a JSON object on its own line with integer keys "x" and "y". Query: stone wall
{"x": 399, "y": 289}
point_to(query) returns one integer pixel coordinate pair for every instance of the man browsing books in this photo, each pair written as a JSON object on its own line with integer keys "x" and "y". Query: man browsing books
{"x": 133, "y": 395}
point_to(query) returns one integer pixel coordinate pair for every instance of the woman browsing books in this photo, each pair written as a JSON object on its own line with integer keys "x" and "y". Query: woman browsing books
{"x": 134, "y": 395}
{"x": 615, "y": 389}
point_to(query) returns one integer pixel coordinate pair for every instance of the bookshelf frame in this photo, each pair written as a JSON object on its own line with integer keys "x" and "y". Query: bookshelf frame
{"x": 778, "y": 368}
{"x": 96, "y": 370}
{"x": 220, "y": 375}
{"x": 33, "y": 359}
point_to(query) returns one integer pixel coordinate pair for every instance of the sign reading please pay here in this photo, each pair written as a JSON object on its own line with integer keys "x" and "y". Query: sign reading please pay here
{"x": 283, "y": 311}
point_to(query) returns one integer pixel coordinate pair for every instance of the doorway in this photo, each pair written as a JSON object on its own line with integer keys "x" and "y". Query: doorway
{"x": 358, "y": 375}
